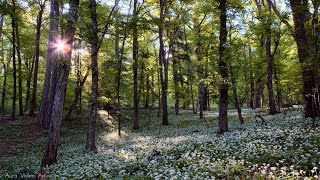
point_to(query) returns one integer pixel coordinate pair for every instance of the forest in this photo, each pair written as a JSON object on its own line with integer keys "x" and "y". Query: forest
{"x": 159, "y": 89}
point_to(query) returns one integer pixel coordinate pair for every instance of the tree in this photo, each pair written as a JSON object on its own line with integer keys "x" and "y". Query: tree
{"x": 163, "y": 69}
{"x": 63, "y": 67}
{"x": 33, "y": 101}
{"x": 223, "y": 89}
{"x": 300, "y": 12}
{"x": 42, "y": 119}
{"x": 13, "y": 24}
{"x": 135, "y": 65}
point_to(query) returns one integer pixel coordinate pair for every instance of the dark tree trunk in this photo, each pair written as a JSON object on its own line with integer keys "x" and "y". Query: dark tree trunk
{"x": 19, "y": 71}
{"x": 300, "y": 18}
{"x": 91, "y": 135}
{"x": 30, "y": 70}
{"x": 53, "y": 30}
{"x": 135, "y": 67}
{"x": 223, "y": 89}
{"x": 33, "y": 102}
{"x": 200, "y": 74}
{"x": 153, "y": 99}
{"x": 78, "y": 72}
{"x": 252, "y": 84}
{"x": 146, "y": 104}
{"x": 269, "y": 55}
{"x": 164, "y": 64}
{"x": 190, "y": 83}
{"x": 63, "y": 67}
{"x": 13, "y": 23}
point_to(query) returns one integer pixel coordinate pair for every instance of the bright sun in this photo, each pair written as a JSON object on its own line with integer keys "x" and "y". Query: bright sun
{"x": 62, "y": 47}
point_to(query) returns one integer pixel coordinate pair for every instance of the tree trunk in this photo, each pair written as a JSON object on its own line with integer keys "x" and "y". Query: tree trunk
{"x": 3, "y": 93}
{"x": 30, "y": 70}
{"x": 300, "y": 17}
{"x": 19, "y": 71}
{"x": 135, "y": 67}
{"x": 13, "y": 23}
{"x": 146, "y": 104}
{"x": 164, "y": 63}
{"x": 269, "y": 55}
{"x": 50, "y": 155}
{"x": 200, "y": 74}
{"x": 190, "y": 83}
{"x": 53, "y": 30}
{"x": 223, "y": 89}
{"x": 91, "y": 135}
{"x": 33, "y": 102}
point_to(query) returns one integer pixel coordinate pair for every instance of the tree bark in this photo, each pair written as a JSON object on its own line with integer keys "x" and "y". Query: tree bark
{"x": 53, "y": 32}
{"x": 164, "y": 64}
{"x": 50, "y": 155}
{"x": 91, "y": 135}
{"x": 28, "y": 84}
{"x": 300, "y": 18}
{"x": 13, "y": 23}
{"x": 19, "y": 71}
{"x": 33, "y": 102}
{"x": 135, "y": 67}
{"x": 269, "y": 55}
{"x": 223, "y": 89}
{"x": 200, "y": 74}
{"x": 190, "y": 82}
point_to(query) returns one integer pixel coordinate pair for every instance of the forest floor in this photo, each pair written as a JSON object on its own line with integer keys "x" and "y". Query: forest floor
{"x": 189, "y": 148}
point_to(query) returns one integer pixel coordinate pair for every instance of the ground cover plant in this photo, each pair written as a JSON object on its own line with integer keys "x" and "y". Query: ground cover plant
{"x": 189, "y": 148}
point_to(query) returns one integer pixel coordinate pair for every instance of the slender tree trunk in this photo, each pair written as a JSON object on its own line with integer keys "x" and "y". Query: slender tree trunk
{"x": 50, "y": 155}
{"x": 33, "y": 102}
{"x": 19, "y": 71}
{"x": 146, "y": 104}
{"x": 91, "y": 137}
{"x": 13, "y": 23}
{"x": 252, "y": 84}
{"x": 200, "y": 74}
{"x": 269, "y": 55}
{"x": 53, "y": 30}
{"x": 223, "y": 89}
{"x": 160, "y": 77}
{"x": 26, "y": 106}
{"x": 190, "y": 83}
{"x": 135, "y": 67}
{"x": 152, "y": 88}
{"x": 164, "y": 63}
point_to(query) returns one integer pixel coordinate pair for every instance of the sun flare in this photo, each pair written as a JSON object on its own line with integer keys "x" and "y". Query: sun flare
{"x": 61, "y": 46}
